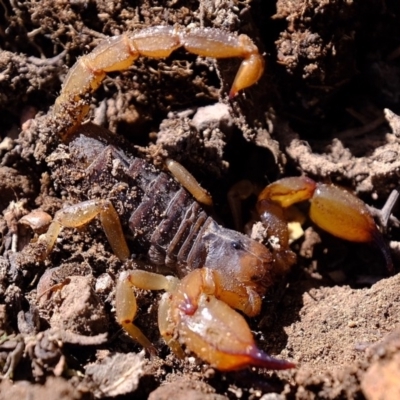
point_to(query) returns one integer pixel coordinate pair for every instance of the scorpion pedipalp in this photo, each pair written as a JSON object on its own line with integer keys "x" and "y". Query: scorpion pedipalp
{"x": 332, "y": 208}
{"x": 192, "y": 313}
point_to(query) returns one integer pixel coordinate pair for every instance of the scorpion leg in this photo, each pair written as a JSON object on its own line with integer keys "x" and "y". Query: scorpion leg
{"x": 125, "y": 300}
{"x": 118, "y": 53}
{"x": 189, "y": 182}
{"x": 191, "y": 311}
{"x": 126, "y": 307}
{"x": 82, "y": 213}
{"x": 333, "y": 209}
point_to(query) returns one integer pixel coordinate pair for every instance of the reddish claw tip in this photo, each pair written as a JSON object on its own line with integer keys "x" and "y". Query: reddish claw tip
{"x": 261, "y": 359}
{"x": 232, "y": 94}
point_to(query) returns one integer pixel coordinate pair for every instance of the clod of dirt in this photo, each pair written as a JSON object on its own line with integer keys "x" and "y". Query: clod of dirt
{"x": 37, "y": 220}
{"x": 211, "y": 117}
{"x": 45, "y": 354}
{"x": 29, "y": 322}
{"x": 342, "y": 327}
{"x": 78, "y": 308}
{"x": 381, "y": 381}
{"x": 11, "y": 351}
{"x": 17, "y": 236}
{"x": 116, "y": 375}
{"x": 3, "y": 286}
{"x": 19, "y": 72}
{"x": 346, "y": 322}
{"x": 331, "y": 51}
{"x": 179, "y": 138}
{"x": 13, "y": 186}
{"x": 54, "y": 388}
{"x": 184, "y": 389}
{"x": 375, "y": 172}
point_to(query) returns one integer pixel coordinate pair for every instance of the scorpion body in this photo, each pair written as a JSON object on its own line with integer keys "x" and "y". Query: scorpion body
{"x": 164, "y": 222}
{"x": 221, "y": 270}
{"x": 167, "y": 227}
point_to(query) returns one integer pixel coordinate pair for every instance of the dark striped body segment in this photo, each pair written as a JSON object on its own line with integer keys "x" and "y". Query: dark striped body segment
{"x": 167, "y": 222}
{"x": 161, "y": 219}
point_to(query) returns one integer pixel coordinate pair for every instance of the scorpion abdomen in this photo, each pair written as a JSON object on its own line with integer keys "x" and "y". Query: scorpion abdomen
{"x": 164, "y": 221}
{"x": 168, "y": 222}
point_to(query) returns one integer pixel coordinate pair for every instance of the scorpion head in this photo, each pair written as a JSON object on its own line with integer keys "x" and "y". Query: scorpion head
{"x": 238, "y": 258}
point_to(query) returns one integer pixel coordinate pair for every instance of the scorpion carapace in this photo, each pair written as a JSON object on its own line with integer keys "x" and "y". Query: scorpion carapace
{"x": 221, "y": 269}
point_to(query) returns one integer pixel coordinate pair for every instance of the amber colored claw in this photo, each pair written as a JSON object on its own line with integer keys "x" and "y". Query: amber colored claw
{"x": 249, "y": 73}
{"x": 288, "y": 191}
{"x": 221, "y": 336}
{"x": 192, "y": 313}
{"x": 211, "y": 328}
{"x": 333, "y": 209}
{"x": 344, "y": 215}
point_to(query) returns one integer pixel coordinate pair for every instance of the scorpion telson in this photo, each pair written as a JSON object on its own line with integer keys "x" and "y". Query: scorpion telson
{"x": 218, "y": 270}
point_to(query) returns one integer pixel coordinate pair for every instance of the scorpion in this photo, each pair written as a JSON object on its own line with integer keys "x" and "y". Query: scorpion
{"x": 218, "y": 272}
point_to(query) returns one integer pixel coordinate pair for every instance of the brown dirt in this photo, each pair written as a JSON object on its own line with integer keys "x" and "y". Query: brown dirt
{"x": 326, "y": 107}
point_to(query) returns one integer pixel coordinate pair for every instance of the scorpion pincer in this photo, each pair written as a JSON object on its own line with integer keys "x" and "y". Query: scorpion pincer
{"x": 218, "y": 270}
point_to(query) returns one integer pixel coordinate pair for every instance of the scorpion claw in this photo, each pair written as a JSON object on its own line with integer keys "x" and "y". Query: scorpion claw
{"x": 261, "y": 359}
{"x": 217, "y": 333}
{"x": 220, "y": 335}
{"x": 333, "y": 209}
{"x": 191, "y": 313}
